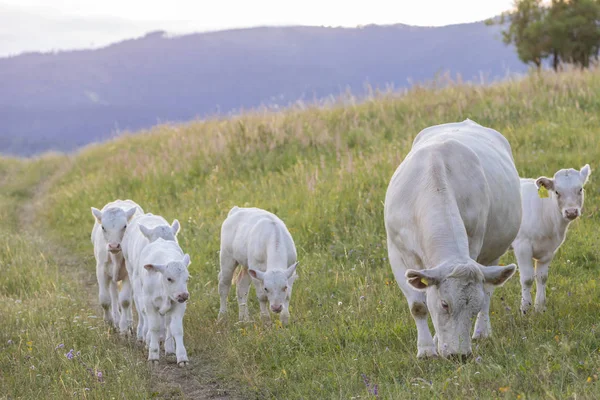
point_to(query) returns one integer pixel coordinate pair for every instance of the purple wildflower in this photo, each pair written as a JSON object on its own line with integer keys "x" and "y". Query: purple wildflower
{"x": 100, "y": 376}
{"x": 70, "y": 354}
{"x": 10, "y": 341}
{"x": 375, "y": 390}
{"x": 78, "y": 353}
{"x": 365, "y": 379}
{"x": 478, "y": 359}
{"x": 60, "y": 346}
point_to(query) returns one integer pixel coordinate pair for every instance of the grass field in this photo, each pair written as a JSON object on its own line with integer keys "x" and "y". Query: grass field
{"x": 324, "y": 172}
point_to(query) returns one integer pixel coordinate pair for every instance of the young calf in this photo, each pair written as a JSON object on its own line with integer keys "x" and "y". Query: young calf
{"x": 142, "y": 230}
{"x": 164, "y": 290}
{"x": 544, "y": 227}
{"x": 109, "y": 227}
{"x": 260, "y": 242}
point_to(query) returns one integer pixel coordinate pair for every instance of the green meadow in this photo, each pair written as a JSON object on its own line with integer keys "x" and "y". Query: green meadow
{"x": 324, "y": 171}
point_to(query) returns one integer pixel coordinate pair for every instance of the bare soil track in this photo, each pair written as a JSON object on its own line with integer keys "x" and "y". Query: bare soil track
{"x": 196, "y": 381}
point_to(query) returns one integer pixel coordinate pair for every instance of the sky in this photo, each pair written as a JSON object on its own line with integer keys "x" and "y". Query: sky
{"x": 50, "y": 25}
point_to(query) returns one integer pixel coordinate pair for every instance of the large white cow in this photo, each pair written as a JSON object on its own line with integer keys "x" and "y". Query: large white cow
{"x": 544, "y": 227}
{"x": 109, "y": 227}
{"x": 142, "y": 230}
{"x": 260, "y": 242}
{"x": 452, "y": 208}
{"x": 164, "y": 288}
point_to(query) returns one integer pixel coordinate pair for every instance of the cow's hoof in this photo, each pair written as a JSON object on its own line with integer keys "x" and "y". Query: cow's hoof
{"x": 182, "y": 364}
{"x": 481, "y": 334}
{"x": 153, "y": 363}
{"x": 427, "y": 352}
{"x": 540, "y": 309}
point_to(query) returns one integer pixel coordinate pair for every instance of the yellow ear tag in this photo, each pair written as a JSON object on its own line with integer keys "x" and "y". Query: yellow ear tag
{"x": 542, "y": 192}
{"x": 424, "y": 281}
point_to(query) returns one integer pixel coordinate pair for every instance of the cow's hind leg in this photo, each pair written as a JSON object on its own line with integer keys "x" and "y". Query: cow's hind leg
{"x": 228, "y": 266}
{"x": 243, "y": 288}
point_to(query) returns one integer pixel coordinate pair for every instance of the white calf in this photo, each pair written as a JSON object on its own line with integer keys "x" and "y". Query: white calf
{"x": 107, "y": 233}
{"x": 142, "y": 230}
{"x": 544, "y": 228}
{"x": 260, "y": 242}
{"x": 164, "y": 288}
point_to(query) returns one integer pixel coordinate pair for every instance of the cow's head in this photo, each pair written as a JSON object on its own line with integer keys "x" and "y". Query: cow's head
{"x": 175, "y": 276}
{"x": 164, "y": 232}
{"x": 113, "y": 222}
{"x": 455, "y": 295}
{"x": 566, "y": 190}
{"x": 276, "y": 285}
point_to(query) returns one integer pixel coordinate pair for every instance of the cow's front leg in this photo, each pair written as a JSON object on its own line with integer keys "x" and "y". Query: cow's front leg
{"x": 176, "y": 330}
{"x": 154, "y": 322}
{"x": 541, "y": 276}
{"x": 126, "y": 321}
{"x": 483, "y": 326}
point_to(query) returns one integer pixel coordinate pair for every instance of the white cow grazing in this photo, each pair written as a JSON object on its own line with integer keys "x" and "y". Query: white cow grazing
{"x": 260, "y": 242}
{"x": 107, "y": 233}
{"x": 544, "y": 227}
{"x": 164, "y": 289}
{"x": 452, "y": 208}
{"x": 142, "y": 230}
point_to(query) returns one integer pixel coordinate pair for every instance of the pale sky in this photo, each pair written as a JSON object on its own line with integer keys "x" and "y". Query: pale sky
{"x": 44, "y": 25}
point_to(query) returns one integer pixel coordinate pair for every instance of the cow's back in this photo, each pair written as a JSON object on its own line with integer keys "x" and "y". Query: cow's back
{"x": 480, "y": 171}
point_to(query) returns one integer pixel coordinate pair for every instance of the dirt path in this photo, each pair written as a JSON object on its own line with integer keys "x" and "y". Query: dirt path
{"x": 196, "y": 381}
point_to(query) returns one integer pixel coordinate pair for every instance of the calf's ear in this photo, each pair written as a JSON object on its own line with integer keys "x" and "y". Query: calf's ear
{"x": 498, "y": 275}
{"x": 175, "y": 226}
{"x": 545, "y": 182}
{"x": 97, "y": 214}
{"x": 256, "y": 274}
{"x": 291, "y": 269}
{"x": 186, "y": 260}
{"x": 130, "y": 213}
{"x": 147, "y": 232}
{"x": 422, "y": 279}
{"x": 585, "y": 173}
{"x": 155, "y": 267}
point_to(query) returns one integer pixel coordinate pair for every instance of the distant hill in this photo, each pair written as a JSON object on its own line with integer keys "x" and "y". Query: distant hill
{"x": 68, "y": 99}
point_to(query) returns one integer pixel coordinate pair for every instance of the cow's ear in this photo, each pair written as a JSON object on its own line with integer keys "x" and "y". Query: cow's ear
{"x": 97, "y": 214}
{"x": 422, "y": 279}
{"x": 498, "y": 275}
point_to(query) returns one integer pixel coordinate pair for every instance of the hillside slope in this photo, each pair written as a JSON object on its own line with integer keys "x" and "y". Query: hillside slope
{"x": 65, "y": 100}
{"x": 325, "y": 172}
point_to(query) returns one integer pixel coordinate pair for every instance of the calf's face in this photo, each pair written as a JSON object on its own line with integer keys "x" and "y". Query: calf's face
{"x": 566, "y": 190}
{"x": 455, "y": 295}
{"x": 113, "y": 222}
{"x": 276, "y": 285}
{"x": 175, "y": 276}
